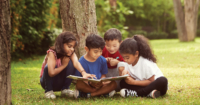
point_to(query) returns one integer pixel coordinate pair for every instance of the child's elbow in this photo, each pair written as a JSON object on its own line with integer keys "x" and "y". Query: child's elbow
{"x": 51, "y": 74}
{"x": 121, "y": 69}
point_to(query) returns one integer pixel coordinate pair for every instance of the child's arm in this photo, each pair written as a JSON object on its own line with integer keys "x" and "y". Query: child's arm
{"x": 52, "y": 71}
{"x": 114, "y": 62}
{"x": 103, "y": 76}
{"x": 79, "y": 67}
{"x": 132, "y": 81}
{"x": 122, "y": 71}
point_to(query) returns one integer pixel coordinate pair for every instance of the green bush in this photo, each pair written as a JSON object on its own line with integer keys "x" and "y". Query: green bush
{"x": 157, "y": 35}
{"x": 137, "y": 32}
{"x": 108, "y": 17}
{"x": 32, "y": 21}
{"x": 173, "y": 34}
{"x": 198, "y": 33}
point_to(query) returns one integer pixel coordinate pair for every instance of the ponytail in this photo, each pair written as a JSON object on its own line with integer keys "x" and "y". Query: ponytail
{"x": 144, "y": 47}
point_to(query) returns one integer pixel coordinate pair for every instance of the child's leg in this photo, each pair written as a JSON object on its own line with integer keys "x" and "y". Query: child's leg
{"x": 159, "y": 84}
{"x": 48, "y": 83}
{"x": 123, "y": 84}
{"x": 84, "y": 87}
{"x": 58, "y": 82}
{"x": 105, "y": 89}
{"x": 112, "y": 73}
{"x": 69, "y": 70}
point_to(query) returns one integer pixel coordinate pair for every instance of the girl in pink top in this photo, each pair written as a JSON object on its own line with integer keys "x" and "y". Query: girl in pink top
{"x": 60, "y": 62}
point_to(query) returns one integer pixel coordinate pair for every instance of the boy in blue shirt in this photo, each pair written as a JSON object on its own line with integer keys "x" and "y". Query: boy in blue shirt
{"x": 96, "y": 64}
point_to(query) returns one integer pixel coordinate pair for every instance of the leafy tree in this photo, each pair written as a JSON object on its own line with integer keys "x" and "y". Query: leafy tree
{"x": 32, "y": 21}
{"x": 158, "y": 14}
{"x": 109, "y": 17}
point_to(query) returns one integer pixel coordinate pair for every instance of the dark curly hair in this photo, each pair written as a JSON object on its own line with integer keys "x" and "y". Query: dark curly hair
{"x": 64, "y": 37}
{"x": 137, "y": 43}
{"x": 94, "y": 41}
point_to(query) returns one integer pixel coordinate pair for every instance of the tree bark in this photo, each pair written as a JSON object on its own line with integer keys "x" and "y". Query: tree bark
{"x": 189, "y": 19}
{"x": 79, "y": 17}
{"x": 180, "y": 20}
{"x": 186, "y": 24}
{"x": 196, "y": 9}
{"x": 113, "y": 4}
{"x": 5, "y": 48}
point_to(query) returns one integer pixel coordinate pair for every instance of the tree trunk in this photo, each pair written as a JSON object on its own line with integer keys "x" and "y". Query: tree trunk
{"x": 196, "y": 9}
{"x": 189, "y": 19}
{"x": 113, "y": 4}
{"x": 186, "y": 24}
{"x": 5, "y": 47}
{"x": 79, "y": 17}
{"x": 180, "y": 20}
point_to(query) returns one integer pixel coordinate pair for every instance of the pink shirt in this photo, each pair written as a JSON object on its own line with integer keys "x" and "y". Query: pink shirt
{"x": 58, "y": 61}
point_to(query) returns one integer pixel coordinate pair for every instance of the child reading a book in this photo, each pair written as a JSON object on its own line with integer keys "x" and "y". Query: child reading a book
{"x": 96, "y": 64}
{"x": 60, "y": 62}
{"x": 113, "y": 38}
{"x": 146, "y": 79}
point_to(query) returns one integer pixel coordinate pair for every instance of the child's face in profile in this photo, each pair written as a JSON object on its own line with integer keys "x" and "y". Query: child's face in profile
{"x": 112, "y": 46}
{"x": 69, "y": 47}
{"x": 94, "y": 53}
{"x": 130, "y": 58}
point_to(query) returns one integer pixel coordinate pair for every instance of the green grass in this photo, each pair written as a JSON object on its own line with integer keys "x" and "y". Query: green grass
{"x": 179, "y": 62}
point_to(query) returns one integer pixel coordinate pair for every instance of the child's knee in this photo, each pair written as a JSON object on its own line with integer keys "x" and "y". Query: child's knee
{"x": 78, "y": 84}
{"x": 113, "y": 84}
{"x": 163, "y": 80}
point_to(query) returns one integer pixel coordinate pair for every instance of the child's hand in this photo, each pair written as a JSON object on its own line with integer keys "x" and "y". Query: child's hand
{"x": 129, "y": 80}
{"x": 108, "y": 59}
{"x": 124, "y": 72}
{"x": 86, "y": 75}
{"x": 113, "y": 62}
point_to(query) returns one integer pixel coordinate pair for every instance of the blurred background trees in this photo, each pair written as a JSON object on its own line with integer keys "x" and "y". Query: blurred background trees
{"x": 35, "y": 24}
{"x": 186, "y": 19}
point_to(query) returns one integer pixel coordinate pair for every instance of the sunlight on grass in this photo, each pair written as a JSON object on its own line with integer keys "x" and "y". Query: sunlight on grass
{"x": 179, "y": 62}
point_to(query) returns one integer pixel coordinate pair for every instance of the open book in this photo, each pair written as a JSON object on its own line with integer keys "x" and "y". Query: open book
{"x": 97, "y": 80}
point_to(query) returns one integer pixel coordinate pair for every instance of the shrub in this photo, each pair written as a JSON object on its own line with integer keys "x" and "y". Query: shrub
{"x": 157, "y": 35}
{"x": 173, "y": 34}
{"x": 139, "y": 32}
{"x": 198, "y": 33}
{"x": 32, "y": 21}
{"x": 108, "y": 17}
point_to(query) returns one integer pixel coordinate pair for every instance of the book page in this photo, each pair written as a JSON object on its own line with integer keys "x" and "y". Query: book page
{"x": 84, "y": 79}
{"x": 97, "y": 80}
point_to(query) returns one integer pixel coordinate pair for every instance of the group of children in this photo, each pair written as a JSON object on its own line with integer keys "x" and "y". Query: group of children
{"x": 106, "y": 57}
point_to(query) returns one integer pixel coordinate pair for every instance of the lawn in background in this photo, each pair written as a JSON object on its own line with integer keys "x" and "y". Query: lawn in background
{"x": 179, "y": 62}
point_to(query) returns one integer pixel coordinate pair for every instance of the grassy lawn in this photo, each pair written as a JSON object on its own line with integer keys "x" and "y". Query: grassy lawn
{"x": 179, "y": 62}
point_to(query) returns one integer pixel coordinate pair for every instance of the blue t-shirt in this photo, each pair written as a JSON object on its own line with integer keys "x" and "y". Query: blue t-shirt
{"x": 97, "y": 68}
